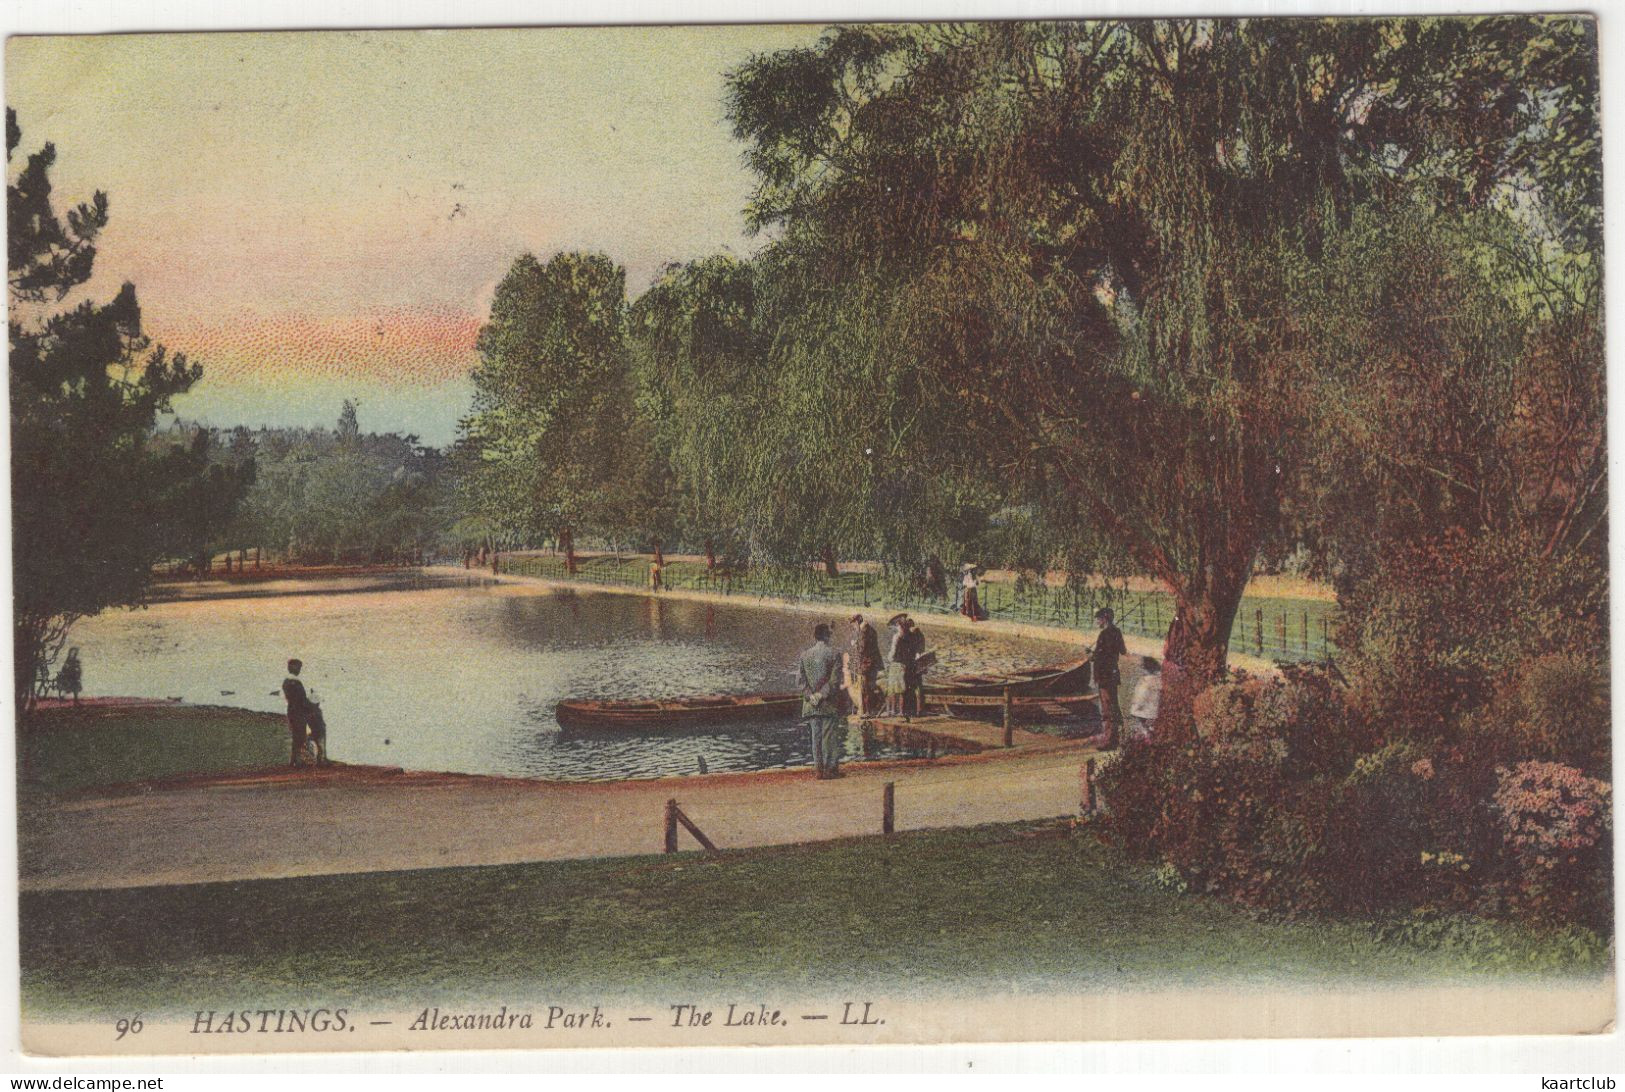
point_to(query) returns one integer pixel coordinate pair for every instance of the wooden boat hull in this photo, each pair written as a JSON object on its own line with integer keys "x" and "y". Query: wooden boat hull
{"x": 675, "y": 714}
{"x": 1055, "y": 679}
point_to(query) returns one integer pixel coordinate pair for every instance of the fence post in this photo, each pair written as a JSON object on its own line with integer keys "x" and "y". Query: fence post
{"x": 1086, "y": 788}
{"x": 1258, "y": 630}
{"x": 671, "y": 826}
{"x": 699, "y": 835}
{"x": 1009, "y": 722}
{"x": 1282, "y": 628}
{"x": 1325, "y": 641}
{"x": 1306, "y": 634}
{"x": 888, "y": 808}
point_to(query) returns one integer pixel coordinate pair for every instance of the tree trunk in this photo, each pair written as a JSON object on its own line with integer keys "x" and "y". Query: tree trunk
{"x": 831, "y": 570}
{"x": 1198, "y": 646}
{"x": 710, "y": 555}
{"x": 660, "y": 555}
{"x": 569, "y": 541}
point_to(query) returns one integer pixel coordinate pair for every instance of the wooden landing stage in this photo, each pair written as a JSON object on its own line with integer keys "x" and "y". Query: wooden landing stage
{"x": 944, "y": 735}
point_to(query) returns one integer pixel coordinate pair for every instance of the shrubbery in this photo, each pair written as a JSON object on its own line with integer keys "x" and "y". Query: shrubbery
{"x": 1555, "y": 824}
{"x": 1453, "y": 768}
{"x": 1294, "y": 796}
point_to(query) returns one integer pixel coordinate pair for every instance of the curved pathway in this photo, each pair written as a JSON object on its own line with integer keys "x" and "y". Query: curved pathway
{"x": 281, "y": 822}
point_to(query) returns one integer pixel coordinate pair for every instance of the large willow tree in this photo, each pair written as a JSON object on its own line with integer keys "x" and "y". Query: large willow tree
{"x": 1076, "y": 249}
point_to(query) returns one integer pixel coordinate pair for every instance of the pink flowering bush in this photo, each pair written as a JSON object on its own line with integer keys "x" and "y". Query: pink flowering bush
{"x": 1286, "y": 799}
{"x": 1555, "y": 822}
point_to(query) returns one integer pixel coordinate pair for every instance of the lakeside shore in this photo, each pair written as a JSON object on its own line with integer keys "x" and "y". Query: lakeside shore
{"x": 188, "y": 828}
{"x": 1137, "y": 645}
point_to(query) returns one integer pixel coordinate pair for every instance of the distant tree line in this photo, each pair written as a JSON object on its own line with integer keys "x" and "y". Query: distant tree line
{"x": 315, "y": 495}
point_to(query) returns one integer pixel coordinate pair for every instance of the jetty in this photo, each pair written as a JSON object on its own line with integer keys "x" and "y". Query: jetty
{"x": 940, "y": 734}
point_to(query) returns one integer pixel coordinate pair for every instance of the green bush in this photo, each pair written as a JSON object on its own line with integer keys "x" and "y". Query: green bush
{"x": 1438, "y": 631}
{"x": 1481, "y": 943}
{"x": 1555, "y": 709}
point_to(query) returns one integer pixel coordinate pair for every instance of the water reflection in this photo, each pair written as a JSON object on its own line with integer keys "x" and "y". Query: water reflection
{"x": 439, "y": 673}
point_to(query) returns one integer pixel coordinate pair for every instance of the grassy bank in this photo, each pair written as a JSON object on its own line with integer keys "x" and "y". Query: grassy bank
{"x": 1009, "y": 907}
{"x": 69, "y": 748}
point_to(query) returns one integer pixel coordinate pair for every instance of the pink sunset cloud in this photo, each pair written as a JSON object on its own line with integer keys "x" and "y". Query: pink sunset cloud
{"x": 419, "y": 346}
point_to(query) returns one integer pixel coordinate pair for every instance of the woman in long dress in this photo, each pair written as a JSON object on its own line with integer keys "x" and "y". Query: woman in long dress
{"x": 970, "y": 606}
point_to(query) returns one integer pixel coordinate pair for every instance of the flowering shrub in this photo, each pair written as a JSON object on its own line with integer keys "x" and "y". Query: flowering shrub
{"x": 1311, "y": 714}
{"x": 1556, "y": 822}
{"x": 1219, "y": 811}
{"x": 1224, "y": 713}
{"x": 1286, "y": 800}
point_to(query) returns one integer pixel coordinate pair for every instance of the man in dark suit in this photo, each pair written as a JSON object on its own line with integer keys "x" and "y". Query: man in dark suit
{"x": 1109, "y": 646}
{"x": 304, "y": 717}
{"x": 911, "y": 653}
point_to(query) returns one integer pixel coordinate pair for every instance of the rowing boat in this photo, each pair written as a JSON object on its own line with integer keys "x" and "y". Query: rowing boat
{"x": 675, "y": 714}
{"x": 1024, "y": 682}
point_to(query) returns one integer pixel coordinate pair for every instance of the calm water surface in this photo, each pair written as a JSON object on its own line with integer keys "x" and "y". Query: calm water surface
{"x": 437, "y": 672}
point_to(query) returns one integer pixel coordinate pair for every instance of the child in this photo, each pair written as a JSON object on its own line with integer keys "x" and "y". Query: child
{"x": 1147, "y": 697}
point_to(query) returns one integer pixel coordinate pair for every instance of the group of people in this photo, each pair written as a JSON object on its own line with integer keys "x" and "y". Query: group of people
{"x": 828, "y": 677}
{"x": 1106, "y": 664}
{"x": 890, "y": 683}
{"x": 893, "y": 683}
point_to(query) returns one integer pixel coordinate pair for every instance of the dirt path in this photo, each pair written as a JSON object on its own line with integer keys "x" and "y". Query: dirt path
{"x": 278, "y": 823}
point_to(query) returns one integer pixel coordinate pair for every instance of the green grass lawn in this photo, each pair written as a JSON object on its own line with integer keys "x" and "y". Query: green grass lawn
{"x": 70, "y": 749}
{"x": 1023, "y": 907}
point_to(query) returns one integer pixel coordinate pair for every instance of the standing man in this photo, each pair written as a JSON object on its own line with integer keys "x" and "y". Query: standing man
{"x": 819, "y": 674}
{"x": 868, "y": 661}
{"x": 304, "y": 715}
{"x": 912, "y": 652}
{"x": 1108, "y": 647}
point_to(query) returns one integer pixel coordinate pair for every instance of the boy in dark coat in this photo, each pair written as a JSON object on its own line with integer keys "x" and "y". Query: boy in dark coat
{"x": 304, "y": 716}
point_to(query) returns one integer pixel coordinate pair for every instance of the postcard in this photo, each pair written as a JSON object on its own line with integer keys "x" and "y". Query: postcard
{"x": 878, "y": 533}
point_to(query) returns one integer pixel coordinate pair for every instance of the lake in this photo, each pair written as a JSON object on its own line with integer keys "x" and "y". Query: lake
{"x": 434, "y": 671}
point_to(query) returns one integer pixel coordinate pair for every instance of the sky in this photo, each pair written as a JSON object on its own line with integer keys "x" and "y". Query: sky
{"x": 320, "y": 216}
